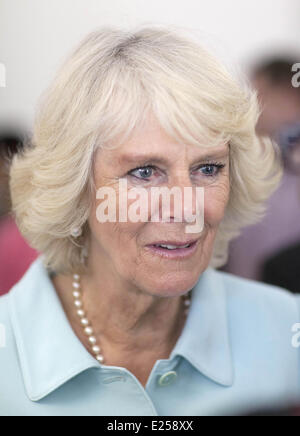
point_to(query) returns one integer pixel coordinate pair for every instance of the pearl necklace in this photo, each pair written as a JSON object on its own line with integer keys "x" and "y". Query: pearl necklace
{"x": 86, "y": 325}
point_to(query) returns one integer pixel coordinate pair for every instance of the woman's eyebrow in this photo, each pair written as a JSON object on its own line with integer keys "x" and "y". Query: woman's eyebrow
{"x": 143, "y": 158}
{"x": 212, "y": 156}
{"x": 161, "y": 160}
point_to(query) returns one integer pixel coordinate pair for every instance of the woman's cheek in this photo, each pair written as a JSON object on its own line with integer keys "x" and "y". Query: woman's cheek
{"x": 215, "y": 202}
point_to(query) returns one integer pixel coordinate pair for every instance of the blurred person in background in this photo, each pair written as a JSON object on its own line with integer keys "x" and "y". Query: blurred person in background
{"x": 283, "y": 268}
{"x": 280, "y": 228}
{"x": 15, "y": 254}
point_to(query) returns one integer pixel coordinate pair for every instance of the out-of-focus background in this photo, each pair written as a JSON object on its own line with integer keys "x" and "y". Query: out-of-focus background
{"x": 260, "y": 37}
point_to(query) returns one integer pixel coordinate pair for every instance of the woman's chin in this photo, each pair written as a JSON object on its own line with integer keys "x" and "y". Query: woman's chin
{"x": 174, "y": 287}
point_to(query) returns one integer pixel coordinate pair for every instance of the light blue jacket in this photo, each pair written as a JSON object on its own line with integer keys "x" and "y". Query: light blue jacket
{"x": 235, "y": 354}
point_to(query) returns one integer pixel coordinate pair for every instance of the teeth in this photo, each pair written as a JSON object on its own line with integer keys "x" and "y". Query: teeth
{"x": 169, "y": 247}
{"x": 173, "y": 247}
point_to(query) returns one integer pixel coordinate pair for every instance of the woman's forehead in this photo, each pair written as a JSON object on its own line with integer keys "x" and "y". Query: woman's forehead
{"x": 152, "y": 143}
{"x": 161, "y": 153}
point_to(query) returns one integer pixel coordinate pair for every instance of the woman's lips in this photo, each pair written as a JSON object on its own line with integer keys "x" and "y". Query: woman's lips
{"x": 177, "y": 253}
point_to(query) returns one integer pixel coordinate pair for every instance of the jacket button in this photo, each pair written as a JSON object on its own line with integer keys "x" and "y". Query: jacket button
{"x": 167, "y": 378}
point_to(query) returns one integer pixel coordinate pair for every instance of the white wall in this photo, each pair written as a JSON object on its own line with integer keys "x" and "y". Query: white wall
{"x": 36, "y": 34}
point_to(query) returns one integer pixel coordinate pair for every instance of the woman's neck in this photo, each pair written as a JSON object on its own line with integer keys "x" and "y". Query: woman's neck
{"x": 133, "y": 329}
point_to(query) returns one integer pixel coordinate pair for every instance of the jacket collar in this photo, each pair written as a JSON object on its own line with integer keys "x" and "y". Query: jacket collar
{"x": 205, "y": 341}
{"x": 51, "y": 354}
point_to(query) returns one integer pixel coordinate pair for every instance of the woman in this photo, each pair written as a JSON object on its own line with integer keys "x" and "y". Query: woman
{"x": 125, "y": 316}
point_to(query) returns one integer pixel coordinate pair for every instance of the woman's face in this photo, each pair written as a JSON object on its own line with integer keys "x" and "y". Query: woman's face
{"x": 128, "y": 251}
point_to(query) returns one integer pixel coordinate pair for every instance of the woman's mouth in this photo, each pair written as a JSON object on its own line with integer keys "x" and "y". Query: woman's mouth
{"x": 173, "y": 251}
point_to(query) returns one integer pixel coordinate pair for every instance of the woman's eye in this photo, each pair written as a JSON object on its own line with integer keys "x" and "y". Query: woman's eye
{"x": 142, "y": 172}
{"x": 145, "y": 173}
{"x": 211, "y": 169}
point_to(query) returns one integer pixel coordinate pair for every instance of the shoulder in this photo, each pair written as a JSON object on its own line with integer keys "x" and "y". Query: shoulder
{"x": 35, "y": 275}
{"x": 7, "y": 339}
{"x": 10, "y": 374}
{"x": 4, "y": 316}
{"x": 262, "y": 325}
{"x": 16, "y": 318}
{"x": 20, "y": 298}
{"x": 239, "y": 288}
{"x": 260, "y": 312}
{"x": 258, "y": 308}
{"x": 6, "y": 334}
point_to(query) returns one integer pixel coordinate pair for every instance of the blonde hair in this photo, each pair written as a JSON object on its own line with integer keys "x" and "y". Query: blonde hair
{"x": 104, "y": 91}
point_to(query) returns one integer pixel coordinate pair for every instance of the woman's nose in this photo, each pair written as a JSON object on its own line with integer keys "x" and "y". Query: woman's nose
{"x": 183, "y": 198}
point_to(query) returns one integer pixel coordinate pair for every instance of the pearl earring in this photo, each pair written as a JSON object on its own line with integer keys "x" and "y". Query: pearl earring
{"x": 76, "y": 232}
